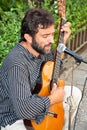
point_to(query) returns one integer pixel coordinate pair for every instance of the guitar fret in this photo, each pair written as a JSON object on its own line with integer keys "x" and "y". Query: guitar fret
{"x": 58, "y": 55}
{"x": 56, "y": 68}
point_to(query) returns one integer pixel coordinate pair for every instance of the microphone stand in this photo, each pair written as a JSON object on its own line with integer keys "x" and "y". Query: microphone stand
{"x": 70, "y": 98}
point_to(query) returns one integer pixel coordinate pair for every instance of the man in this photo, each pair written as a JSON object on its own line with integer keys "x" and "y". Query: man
{"x": 21, "y": 71}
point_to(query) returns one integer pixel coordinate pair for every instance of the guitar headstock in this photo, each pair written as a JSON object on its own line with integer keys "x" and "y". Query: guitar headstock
{"x": 62, "y": 8}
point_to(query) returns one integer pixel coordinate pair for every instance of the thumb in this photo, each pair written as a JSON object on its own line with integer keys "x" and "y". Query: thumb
{"x": 54, "y": 88}
{"x": 54, "y": 85}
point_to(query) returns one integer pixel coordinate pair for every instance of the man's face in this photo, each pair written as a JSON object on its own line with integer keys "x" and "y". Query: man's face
{"x": 43, "y": 40}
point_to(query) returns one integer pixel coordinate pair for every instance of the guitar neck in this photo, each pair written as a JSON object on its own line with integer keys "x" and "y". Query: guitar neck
{"x": 61, "y": 34}
{"x": 61, "y": 40}
{"x": 58, "y": 55}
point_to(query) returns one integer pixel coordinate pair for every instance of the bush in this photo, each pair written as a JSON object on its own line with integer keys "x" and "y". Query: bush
{"x": 10, "y": 27}
{"x": 9, "y": 33}
{"x": 12, "y": 12}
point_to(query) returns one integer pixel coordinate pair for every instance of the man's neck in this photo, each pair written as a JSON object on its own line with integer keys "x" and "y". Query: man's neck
{"x": 28, "y": 46}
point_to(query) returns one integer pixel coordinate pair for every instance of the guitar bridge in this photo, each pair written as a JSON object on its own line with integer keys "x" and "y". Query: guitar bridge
{"x": 52, "y": 114}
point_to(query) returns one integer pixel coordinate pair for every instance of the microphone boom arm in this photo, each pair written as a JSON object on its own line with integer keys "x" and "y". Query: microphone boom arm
{"x": 62, "y": 48}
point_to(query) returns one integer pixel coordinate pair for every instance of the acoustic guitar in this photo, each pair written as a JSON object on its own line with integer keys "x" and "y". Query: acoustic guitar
{"x": 54, "y": 120}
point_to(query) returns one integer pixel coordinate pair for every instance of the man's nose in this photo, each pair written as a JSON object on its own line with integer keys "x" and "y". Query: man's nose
{"x": 51, "y": 39}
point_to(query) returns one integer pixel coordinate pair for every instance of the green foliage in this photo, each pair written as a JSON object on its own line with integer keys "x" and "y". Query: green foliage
{"x": 12, "y": 11}
{"x": 8, "y": 33}
{"x": 10, "y": 25}
{"x": 6, "y": 5}
{"x": 77, "y": 14}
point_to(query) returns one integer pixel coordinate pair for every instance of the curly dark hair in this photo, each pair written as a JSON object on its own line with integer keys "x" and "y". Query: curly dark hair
{"x": 33, "y": 18}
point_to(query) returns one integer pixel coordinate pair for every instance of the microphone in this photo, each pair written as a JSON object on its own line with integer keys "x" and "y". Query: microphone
{"x": 62, "y": 48}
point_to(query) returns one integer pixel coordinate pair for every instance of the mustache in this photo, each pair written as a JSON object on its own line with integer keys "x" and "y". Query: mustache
{"x": 48, "y": 44}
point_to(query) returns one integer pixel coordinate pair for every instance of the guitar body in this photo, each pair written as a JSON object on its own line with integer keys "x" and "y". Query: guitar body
{"x": 50, "y": 122}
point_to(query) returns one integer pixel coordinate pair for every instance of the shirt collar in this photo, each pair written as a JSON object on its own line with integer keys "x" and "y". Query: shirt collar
{"x": 32, "y": 57}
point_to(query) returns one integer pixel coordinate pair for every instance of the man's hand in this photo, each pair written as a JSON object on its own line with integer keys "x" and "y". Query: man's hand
{"x": 67, "y": 31}
{"x": 57, "y": 95}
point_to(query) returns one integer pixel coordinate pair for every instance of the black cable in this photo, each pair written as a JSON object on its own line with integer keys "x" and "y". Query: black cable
{"x": 80, "y": 102}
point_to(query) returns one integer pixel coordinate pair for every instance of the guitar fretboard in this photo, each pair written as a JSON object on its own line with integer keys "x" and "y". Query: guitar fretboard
{"x": 58, "y": 56}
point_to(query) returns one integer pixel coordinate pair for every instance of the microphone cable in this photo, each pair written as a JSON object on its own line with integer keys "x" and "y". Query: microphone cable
{"x": 84, "y": 86}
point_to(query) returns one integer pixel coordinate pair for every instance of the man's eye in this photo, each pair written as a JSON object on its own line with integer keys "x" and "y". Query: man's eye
{"x": 45, "y": 36}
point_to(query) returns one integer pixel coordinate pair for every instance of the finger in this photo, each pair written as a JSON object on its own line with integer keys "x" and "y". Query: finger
{"x": 54, "y": 88}
{"x": 54, "y": 85}
{"x": 67, "y": 24}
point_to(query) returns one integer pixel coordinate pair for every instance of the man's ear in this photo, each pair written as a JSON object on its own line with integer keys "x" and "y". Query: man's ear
{"x": 28, "y": 38}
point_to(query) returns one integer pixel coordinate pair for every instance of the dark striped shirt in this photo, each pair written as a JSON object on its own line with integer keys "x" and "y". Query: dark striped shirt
{"x": 19, "y": 75}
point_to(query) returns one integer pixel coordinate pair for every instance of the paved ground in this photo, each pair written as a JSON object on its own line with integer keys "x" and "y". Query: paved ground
{"x": 79, "y": 80}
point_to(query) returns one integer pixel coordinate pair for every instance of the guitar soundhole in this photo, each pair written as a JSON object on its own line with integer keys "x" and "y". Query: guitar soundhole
{"x": 27, "y": 123}
{"x": 37, "y": 89}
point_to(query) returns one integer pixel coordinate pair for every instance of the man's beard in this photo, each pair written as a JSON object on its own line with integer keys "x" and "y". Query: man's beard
{"x": 37, "y": 47}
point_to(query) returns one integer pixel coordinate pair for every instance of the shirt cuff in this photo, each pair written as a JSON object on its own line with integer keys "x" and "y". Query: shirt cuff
{"x": 41, "y": 116}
